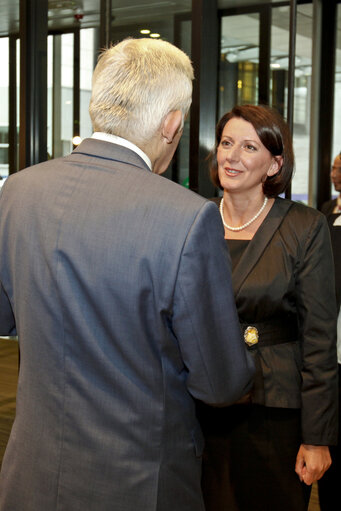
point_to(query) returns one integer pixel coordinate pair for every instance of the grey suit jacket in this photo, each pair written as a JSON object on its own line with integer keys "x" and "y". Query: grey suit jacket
{"x": 118, "y": 283}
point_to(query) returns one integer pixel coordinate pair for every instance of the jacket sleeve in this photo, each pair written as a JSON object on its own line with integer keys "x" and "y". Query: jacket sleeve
{"x": 205, "y": 319}
{"x": 317, "y": 319}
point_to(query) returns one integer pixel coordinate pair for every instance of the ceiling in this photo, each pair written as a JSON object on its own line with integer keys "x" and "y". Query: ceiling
{"x": 63, "y": 15}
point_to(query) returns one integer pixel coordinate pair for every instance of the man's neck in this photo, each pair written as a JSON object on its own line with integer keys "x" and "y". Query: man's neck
{"x": 114, "y": 139}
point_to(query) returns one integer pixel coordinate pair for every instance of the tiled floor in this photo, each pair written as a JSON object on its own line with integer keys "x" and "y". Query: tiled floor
{"x": 314, "y": 500}
{"x": 8, "y": 384}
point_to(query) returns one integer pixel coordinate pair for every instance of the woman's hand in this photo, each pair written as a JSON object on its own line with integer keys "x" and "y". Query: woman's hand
{"x": 312, "y": 461}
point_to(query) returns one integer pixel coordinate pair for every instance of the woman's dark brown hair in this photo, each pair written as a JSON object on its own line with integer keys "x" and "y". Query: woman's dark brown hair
{"x": 274, "y": 134}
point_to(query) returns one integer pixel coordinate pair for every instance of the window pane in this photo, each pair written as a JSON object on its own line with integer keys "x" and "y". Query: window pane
{"x": 4, "y": 89}
{"x": 67, "y": 93}
{"x": 87, "y": 60}
{"x": 60, "y": 98}
{"x": 238, "y": 81}
{"x": 239, "y": 57}
{"x": 302, "y": 98}
{"x": 172, "y": 22}
{"x": 180, "y": 165}
{"x": 337, "y": 98}
{"x": 49, "y": 96}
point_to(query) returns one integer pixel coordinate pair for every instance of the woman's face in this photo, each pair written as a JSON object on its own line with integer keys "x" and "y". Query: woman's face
{"x": 243, "y": 161}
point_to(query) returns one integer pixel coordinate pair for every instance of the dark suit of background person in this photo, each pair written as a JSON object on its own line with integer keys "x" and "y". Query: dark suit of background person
{"x": 123, "y": 315}
{"x": 328, "y": 207}
{"x": 329, "y": 485}
{"x": 334, "y": 205}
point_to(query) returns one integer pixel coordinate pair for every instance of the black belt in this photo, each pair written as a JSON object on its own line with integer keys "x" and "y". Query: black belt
{"x": 271, "y": 332}
{"x": 266, "y": 333}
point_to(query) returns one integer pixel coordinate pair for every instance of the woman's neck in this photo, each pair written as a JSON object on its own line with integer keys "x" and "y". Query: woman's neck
{"x": 243, "y": 210}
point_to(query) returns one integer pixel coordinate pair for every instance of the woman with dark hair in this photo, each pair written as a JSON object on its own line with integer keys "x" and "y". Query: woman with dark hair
{"x": 265, "y": 452}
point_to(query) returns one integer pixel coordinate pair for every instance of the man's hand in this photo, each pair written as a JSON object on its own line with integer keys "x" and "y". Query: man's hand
{"x": 311, "y": 462}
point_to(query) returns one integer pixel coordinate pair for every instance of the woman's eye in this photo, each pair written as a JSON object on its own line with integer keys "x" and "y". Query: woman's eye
{"x": 225, "y": 143}
{"x": 250, "y": 147}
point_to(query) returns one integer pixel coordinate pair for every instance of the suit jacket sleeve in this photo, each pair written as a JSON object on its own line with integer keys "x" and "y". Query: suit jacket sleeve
{"x": 205, "y": 320}
{"x": 317, "y": 318}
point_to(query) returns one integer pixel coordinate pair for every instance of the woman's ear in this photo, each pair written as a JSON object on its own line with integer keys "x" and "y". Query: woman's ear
{"x": 171, "y": 125}
{"x": 275, "y": 166}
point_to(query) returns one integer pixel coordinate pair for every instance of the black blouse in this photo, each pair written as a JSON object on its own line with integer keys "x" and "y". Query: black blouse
{"x": 236, "y": 249}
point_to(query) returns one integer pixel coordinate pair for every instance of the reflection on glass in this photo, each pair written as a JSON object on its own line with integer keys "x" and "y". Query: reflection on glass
{"x": 87, "y": 60}
{"x": 180, "y": 166}
{"x": 169, "y": 20}
{"x": 67, "y": 92}
{"x": 4, "y": 89}
{"x": 18, "y": 96}
{"x": 49, "y": 96}
{"x": 239, "y": 58}
{"x": 60, "y": 95}
{"x": 302, "y": 92}
{"x": 337, "y": 96}
{"x": 238, "y": 79}
{"x": 172, "y": 22}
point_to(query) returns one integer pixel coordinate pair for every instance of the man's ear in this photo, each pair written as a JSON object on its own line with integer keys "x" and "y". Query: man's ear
{"x": 171, "y": 125}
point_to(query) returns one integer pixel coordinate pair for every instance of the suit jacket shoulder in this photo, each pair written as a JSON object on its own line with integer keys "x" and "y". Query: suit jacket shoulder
{"x": 328, "y": 207}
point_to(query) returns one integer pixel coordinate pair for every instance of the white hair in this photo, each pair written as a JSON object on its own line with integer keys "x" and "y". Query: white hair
{"x": 136, "y": 83}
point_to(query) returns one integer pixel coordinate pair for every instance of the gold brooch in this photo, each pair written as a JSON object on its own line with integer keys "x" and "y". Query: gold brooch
{"x": 251, "y": 335}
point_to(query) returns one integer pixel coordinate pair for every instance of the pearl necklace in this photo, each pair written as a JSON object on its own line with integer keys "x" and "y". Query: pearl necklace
{"x": 241, "y": 227}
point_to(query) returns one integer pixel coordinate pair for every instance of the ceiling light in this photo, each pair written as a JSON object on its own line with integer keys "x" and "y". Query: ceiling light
{"x": 144, "y": 31}
{"x": 155, "y": 35}
{"x": 232, "y": 56}
{"x": 64, "y": 4}
{"x": 76, "y": 140}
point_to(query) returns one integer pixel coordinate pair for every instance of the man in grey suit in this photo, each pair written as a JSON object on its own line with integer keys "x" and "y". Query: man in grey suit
{"x": 117, "y": 282}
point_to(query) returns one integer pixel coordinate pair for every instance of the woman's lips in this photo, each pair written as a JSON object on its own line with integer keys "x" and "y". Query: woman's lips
{"x": 232, "y": 172}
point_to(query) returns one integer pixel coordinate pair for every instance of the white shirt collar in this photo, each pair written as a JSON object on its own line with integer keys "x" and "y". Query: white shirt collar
{"x": 114, "y": 139}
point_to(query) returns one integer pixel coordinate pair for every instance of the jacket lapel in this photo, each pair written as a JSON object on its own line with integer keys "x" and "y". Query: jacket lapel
{"x": 259, "y": 242}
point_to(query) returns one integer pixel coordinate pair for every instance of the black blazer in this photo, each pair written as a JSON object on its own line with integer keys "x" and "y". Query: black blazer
{"x": 335, "y": 234}
{"x": 284, "y": 285}
{"x": 328, "y": 207}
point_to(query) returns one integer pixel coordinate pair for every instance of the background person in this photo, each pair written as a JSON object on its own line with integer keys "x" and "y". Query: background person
{"x": 334, "y": 205}
{"x": 328, "y": 485}
{"x": 282, "y": 279}
{"x": 123, "y": 314}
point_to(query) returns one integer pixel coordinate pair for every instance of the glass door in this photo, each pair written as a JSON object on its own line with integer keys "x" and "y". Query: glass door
{"x": 243, "y": 50}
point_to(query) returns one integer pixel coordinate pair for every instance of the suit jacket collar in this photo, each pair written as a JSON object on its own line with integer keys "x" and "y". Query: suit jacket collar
{"x": 107, "y": 152}
{"x": 257, "y": 245}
